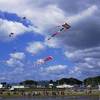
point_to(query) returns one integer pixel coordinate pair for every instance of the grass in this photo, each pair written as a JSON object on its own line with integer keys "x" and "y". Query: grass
{"x": 18, "y": 94}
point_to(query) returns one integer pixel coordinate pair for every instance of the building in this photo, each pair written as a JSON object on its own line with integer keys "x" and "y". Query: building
{"x": 64, "y": 86}
{"x": 17, "y": 87}
{"x": 50, "y": 85}
{"x": 1, "y": 86}
{"x": 99, "y": 87}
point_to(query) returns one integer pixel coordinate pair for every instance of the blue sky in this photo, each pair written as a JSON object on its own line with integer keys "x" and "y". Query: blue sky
{"x": 75, "y": 52}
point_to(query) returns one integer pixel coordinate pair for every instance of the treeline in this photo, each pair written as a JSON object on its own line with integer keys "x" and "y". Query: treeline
{"x": 94, "y": 81}
{"x": 71, "y": 81}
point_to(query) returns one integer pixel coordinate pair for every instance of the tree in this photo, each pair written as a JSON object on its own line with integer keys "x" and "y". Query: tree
{"x": 92, "y": 81}
{"x": 28, "y": 82}
{"x": 70, "y": 81}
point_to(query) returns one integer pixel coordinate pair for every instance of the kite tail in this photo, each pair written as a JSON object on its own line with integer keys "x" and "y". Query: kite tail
{"x": 49, "y": 38}
{"x": 53, "y": 35}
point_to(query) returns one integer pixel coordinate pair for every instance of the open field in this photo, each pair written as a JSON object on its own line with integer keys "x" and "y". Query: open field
{"x": 47, "y": 93}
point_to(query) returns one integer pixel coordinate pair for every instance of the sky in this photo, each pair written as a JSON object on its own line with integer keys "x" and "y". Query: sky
{"x": 75, "y": 52}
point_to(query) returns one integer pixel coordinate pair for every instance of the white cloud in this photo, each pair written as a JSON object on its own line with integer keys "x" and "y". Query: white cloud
{"x": 13, "y": 62}
{"x": 54, "y": 43}
{"x": 13, "y": 5}
{"x": 55, "y": 17}
{"x": 18, "y": 70}
{"x": 86, "y": 61}
{"x": 40, "y": 61}
{"x": 69, "y": 54}
{"x": 7, "y": 27}
{"x": 18, "y": 55}
{"x": 43, "y": 18}
{"x": 82, "y": 15}
{"x": 85, "y": 54}
{"x": 51, "y": 16}
{"x": 55, "y": 69}
{"x": 35, "y": 47}
{"x": 16, "y": 59}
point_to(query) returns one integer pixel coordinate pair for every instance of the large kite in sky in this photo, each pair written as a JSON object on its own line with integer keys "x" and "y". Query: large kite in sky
{"x": 44, "y": 60}
{"x": 64, "y": 27}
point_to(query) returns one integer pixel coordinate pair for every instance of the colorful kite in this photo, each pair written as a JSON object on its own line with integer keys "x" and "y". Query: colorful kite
{"x": 65, "y": 26}
{"x": 44, "y": 60}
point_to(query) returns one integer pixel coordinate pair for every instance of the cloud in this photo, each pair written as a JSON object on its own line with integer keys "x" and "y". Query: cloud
{"x": 51, "y": 72}
{"x": 18, "y": 55}
{"x": 47, "y": 20}
{"x": 13, "y": 62}
{"x": 81, "y": 42}
{"x": 54, "y": 43}
{"x": 55, "y": 69}
{"x": 40, "y": 61}
{"x": 16, "y": 59}
{"x": 86, "y": 61}
{"x": 86, "y": 53}
{"x": 82, "y": 15}
{"x": 7, "y": 6}
{"x": 7, "y": 27}
{"x": 32, "y": 10}
{"x": 35, "y": 47}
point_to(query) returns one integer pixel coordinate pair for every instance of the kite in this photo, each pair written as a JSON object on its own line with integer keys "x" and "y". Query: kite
{"x": 44, "y": 60}
{"x": 11, "y": 34}
{"x": 48, "y": 58}
{"x": 24, "y": 17}
{"x": 53, "y": 35}
{"x": 65, "y": 26}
